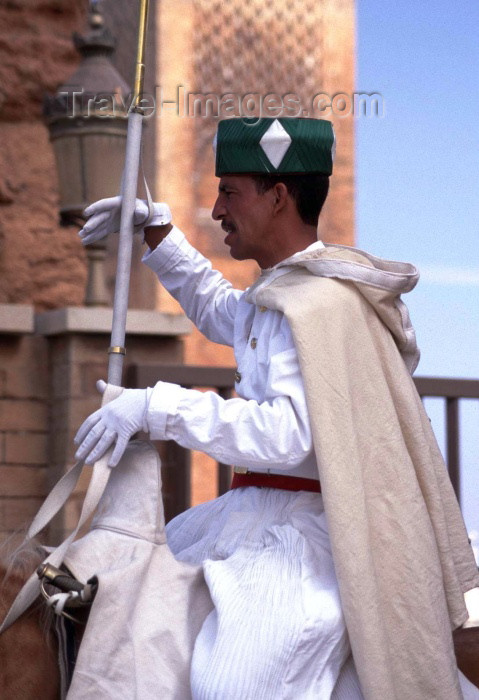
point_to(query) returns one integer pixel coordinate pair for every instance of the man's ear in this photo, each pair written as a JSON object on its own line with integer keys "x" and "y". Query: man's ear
{"x": 280, "y": 197}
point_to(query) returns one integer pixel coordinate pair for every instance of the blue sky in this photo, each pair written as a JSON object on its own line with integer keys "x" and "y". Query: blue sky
{"x": 417, "y": 183}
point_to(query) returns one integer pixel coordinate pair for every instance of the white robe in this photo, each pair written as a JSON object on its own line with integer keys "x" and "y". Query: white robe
{"x": 277, "y": 630}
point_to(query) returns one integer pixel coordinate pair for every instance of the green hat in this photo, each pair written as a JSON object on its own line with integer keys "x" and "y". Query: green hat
{"x": 268, "y": 145}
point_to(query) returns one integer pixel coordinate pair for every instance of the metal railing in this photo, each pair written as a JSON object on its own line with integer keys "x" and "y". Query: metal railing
{"x": 452, "y": 391}
{"x": 177, "y": 461}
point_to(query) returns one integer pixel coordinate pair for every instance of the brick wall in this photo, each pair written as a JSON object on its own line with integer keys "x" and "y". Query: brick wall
{"x": 40, "y": 262}
{"x": 24, "y": 416}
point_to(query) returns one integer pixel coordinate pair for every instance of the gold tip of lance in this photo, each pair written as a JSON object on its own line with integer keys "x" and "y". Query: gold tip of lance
{"x": 140, "y": 56}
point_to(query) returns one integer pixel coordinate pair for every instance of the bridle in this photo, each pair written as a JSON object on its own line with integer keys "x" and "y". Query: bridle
{"x": 72, "y": 595}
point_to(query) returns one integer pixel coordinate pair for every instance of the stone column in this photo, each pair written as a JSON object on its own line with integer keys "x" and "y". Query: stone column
{"x": 47, "y": 384}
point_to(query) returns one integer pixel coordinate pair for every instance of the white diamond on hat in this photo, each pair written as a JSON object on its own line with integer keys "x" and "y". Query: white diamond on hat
{"x": 275, "y": 142}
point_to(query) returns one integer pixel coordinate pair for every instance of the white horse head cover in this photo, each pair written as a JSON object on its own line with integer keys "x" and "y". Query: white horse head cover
{"x": 149, "y": 608}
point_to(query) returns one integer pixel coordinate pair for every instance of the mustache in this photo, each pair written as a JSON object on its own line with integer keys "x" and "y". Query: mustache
{"x": 228, "y": 226}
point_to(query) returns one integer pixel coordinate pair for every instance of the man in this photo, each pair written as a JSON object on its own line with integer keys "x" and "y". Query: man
{"x": 324, "y": 348}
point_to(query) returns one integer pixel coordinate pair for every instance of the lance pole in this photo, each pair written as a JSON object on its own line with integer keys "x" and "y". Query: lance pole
{"x": 117, "y": 349}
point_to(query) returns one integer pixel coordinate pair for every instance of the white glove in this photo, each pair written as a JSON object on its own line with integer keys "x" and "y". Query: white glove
{"x": 104, "y": 218}
{"x": 114, "y": 423}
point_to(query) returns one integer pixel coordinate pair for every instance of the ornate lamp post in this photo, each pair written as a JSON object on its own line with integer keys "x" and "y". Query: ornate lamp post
{"x": 87, "y": 122}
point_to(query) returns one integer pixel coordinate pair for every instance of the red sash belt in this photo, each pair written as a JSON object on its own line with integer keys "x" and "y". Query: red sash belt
{"x": 275, "y": 481}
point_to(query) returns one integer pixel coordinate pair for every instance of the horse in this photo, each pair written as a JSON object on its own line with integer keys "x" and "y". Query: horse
{"x": 29, "y": 648}
{"x": 126, "y": 554}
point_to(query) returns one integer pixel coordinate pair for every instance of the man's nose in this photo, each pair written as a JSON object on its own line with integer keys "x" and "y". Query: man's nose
{"x": 218, "y": 212}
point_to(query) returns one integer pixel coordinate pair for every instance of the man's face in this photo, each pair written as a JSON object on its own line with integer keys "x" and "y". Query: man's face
{"x": 246, "y": 217}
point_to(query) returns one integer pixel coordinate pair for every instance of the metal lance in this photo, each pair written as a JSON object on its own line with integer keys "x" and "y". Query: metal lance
{"x": 129, "y": 190}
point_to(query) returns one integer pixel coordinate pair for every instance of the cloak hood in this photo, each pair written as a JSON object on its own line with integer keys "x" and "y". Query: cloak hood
{"x": 381, "y": 282}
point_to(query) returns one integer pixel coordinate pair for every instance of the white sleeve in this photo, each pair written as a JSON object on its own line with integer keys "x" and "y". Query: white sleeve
{"x": 205, "y": 296}
{"x": 273, "y": 434}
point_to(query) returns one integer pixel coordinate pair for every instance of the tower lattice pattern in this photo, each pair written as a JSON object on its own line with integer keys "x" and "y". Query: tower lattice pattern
{"x": 256, "y": 46}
